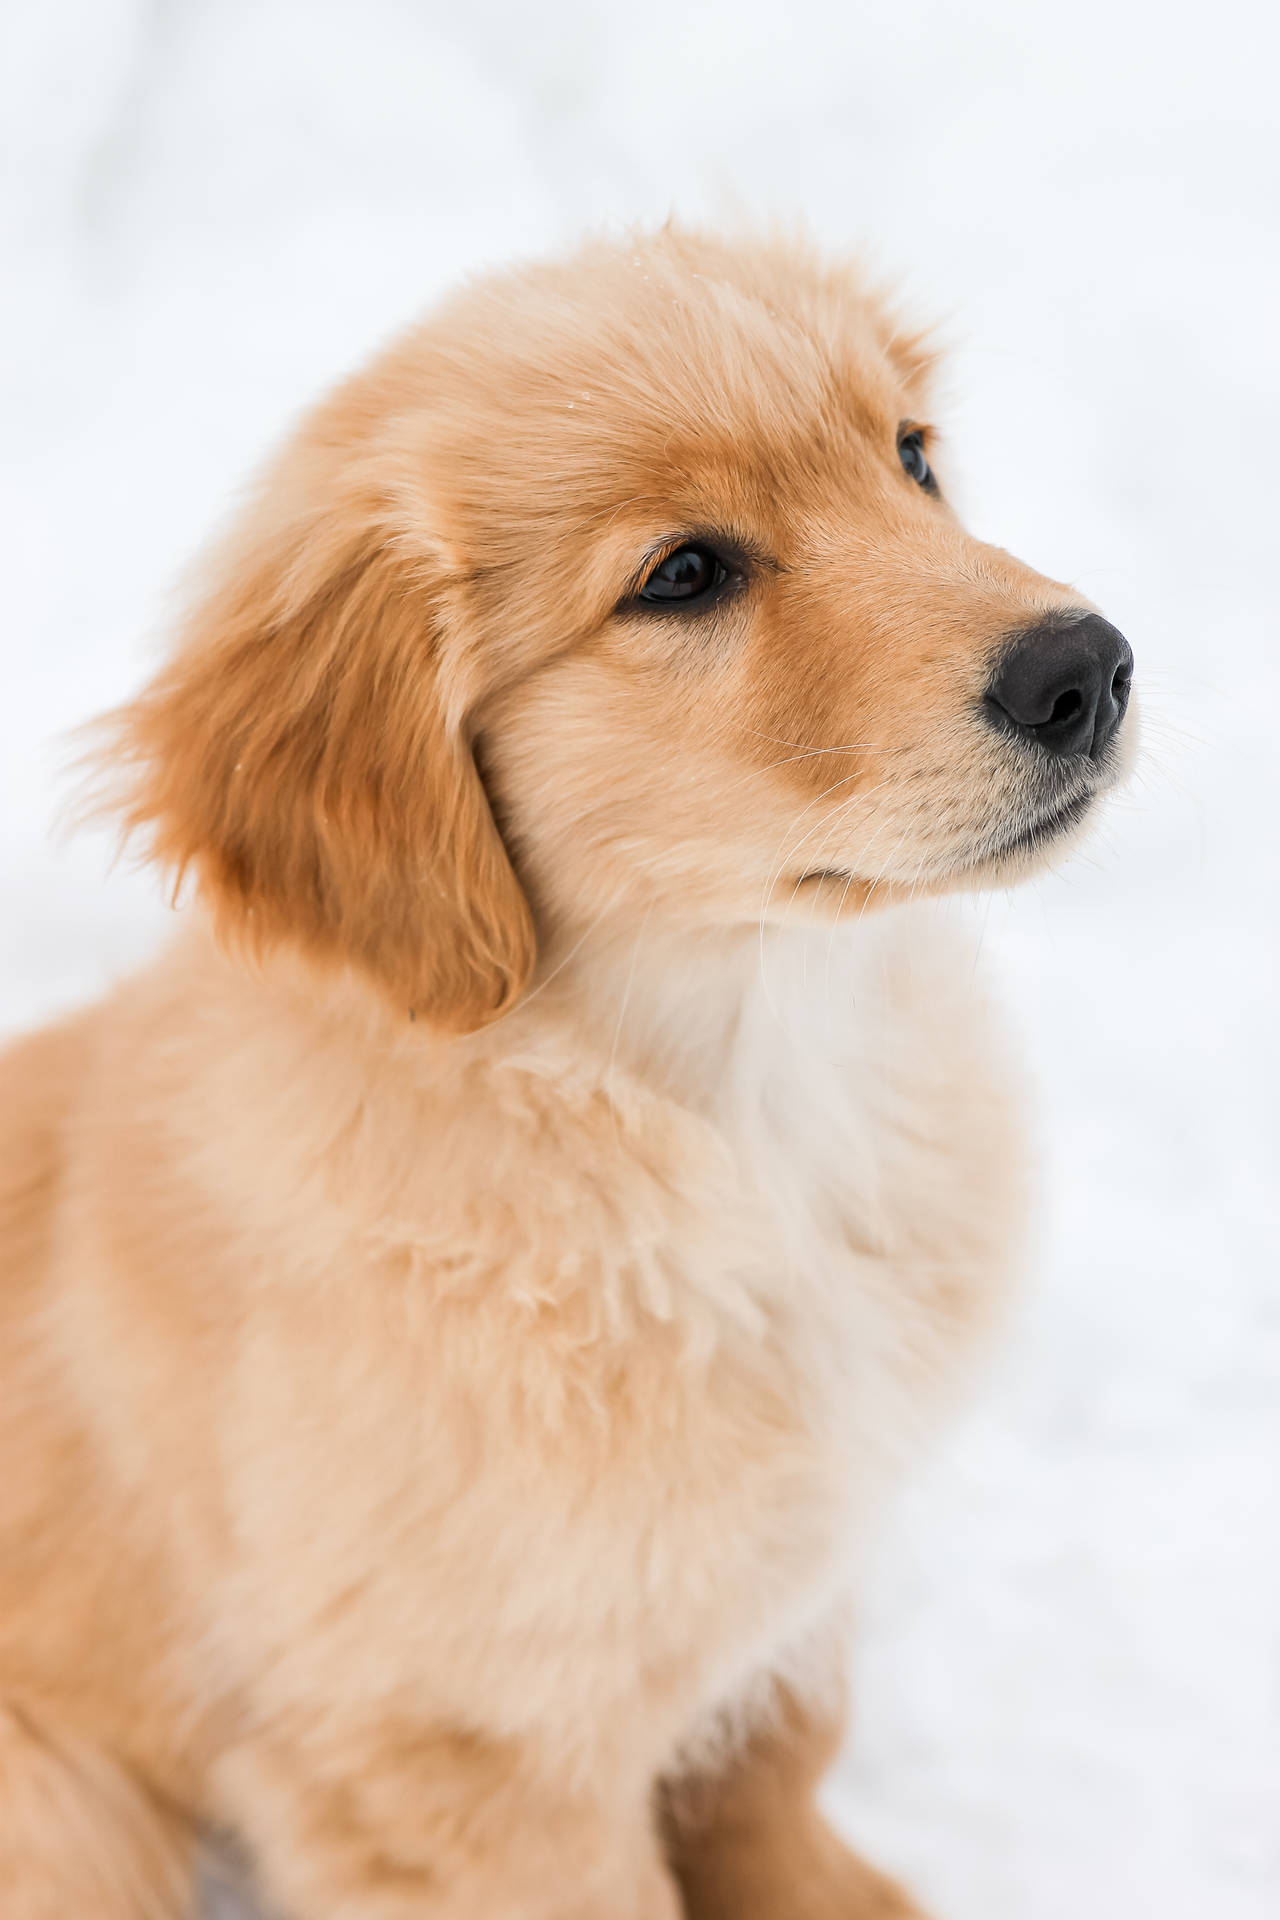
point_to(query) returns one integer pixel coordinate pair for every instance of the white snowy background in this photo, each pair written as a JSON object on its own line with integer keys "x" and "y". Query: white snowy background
{"x": 1067, "y": 1683}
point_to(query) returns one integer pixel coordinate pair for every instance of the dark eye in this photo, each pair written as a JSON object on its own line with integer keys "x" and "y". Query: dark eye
{"x": 911, "y": 454}
{"x": 687, "y": 574}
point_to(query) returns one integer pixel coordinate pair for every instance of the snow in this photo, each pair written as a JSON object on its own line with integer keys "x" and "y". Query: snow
{"x": 1067, "y": 1686}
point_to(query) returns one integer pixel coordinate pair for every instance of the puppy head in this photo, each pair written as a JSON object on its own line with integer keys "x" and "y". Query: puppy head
{"x": 646, "y": 557}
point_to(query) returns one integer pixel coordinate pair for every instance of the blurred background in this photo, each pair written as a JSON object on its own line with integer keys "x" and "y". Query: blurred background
{"x": 1068, "y": 1693}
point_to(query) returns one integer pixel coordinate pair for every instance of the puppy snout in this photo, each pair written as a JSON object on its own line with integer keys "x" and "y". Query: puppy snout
{"x": 1063, "y": 684}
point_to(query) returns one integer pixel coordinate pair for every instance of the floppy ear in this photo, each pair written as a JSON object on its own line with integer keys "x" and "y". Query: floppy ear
{"x": 305, "y": 756}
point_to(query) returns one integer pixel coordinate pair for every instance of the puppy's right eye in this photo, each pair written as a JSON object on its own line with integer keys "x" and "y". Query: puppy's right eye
{"x": 690, "y": 573}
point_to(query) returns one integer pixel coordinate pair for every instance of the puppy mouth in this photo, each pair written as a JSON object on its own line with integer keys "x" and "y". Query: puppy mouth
{"x": 1007, "y": 843}
{"x": 1040, "y": 831}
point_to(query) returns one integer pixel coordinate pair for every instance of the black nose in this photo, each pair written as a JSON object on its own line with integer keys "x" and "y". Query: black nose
{"x": 1064, "y": 684}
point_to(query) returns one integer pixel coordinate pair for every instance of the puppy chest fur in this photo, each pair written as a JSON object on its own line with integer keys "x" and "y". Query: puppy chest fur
{"x": 533, "y": 1344}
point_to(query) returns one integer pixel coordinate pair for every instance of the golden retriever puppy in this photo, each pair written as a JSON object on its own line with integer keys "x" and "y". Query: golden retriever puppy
{"x": 463, "y": 1306}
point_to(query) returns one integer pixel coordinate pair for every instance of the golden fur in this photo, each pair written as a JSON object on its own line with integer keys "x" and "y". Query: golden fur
{"x": 458, "y": 1323}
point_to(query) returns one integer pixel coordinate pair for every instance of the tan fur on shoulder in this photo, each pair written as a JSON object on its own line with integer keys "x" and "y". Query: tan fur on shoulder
{"x": 463, "y": 1306}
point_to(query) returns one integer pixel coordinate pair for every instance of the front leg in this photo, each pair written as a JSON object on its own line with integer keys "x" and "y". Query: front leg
{"x": 407, "y": 1823}
{"x": 746, "y": 1839}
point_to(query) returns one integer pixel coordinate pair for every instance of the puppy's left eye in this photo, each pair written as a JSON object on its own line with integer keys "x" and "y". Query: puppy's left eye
{"x": 912, "y": 455}
{"x": 690, "y": 573}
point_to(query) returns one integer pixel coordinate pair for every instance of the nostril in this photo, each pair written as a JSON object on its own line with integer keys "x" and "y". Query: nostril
{"x": 1066, "y": 707}
{"x": 1120, "y": 684}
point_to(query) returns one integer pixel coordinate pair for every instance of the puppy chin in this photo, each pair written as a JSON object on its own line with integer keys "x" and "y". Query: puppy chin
{"x": 832, "y": 893}
{"x": 1004, "y": 857}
